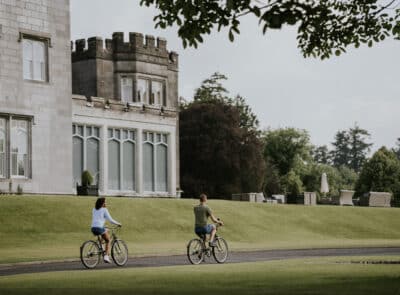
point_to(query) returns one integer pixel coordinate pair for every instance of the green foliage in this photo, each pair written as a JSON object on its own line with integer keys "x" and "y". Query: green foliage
{"x": 321, "y": 154}
{"x": 212, "y": 90}
{"x": 86, "y": 178}
{"x": 217, "y": 156}
{"x": 292, "y": 183}
{"x": 351, "y": 148}
{"x": 272, "y": 180}
{"x": 396, "y": 150}
{"x": 209, "y": 149}
{"x": 381, "y": 173}
{"x": 338, "y": 178}
{"x": 285, "y": 147}
{"x": 222, "y": 132}
{"x": 324, "y": 27}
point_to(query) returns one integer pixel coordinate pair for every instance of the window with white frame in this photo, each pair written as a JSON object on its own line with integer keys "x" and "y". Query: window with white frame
{"x": 14, "y": 147}
{"x": 155, "y": 162}
{"x": 121, "y": 159}
{"x": 142, "y": 90}
{"x": 35, "y": 61}
{"x": 86, "y": 152}
{"x": 126, "y": 89}
{"x": 2, "y": 147}
{"x": 157, "y": 92}
{"x": 150, "y": 91}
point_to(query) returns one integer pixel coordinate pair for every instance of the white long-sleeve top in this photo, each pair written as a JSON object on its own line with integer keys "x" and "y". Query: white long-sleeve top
{"x": 100, "y": 216}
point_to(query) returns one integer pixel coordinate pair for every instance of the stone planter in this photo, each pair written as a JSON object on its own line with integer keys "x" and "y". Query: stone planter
{"x": 91, "y": 190}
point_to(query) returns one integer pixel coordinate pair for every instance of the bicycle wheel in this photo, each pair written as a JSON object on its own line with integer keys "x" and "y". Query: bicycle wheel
{"x": 119, "y": 252}
{"x": 195, "y": 251}
{"x": 90, "y": 254}
{"x": 220, "y": 251}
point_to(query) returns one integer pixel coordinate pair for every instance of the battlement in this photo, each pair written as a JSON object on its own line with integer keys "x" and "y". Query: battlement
{"x": 117, "y": 49}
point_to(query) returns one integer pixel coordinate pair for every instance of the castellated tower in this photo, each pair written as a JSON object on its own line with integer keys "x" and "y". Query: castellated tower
{"x": 125, "y": 115}
{"x": 110, "y": 69}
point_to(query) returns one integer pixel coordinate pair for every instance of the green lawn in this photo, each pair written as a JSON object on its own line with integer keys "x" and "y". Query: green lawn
{"x": 43, "y": 228}
{"x": 301, "y": 276}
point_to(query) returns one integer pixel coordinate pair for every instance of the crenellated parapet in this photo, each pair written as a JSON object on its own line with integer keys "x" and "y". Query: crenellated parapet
{"x": 139, "y": 48}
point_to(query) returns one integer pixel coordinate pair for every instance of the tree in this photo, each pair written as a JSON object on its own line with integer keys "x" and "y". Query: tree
{"x": 338, "y": 178}
{"x": 248, "y": 119}
{"x": 380, "y": 173}
{"x": 284, "y": 147}
{"x": 285, "y": 153}
{"x": 323, "y": 27}
{"x": 219, "y": 133}
{"x": 210, "y": 149}
{"x": 359, "y": 148}
{"x": 341, "y": 152}
{"x": 212, "y": 90}
{"x": 396, "y": 150}
{"x": 321, "y": 154}
{"x": 351, "y": 148}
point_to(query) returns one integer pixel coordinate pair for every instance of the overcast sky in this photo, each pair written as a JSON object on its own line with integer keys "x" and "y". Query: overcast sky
{"x": 282, "y": 88}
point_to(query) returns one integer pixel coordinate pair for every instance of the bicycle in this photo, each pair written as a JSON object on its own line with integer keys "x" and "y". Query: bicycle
{"x": 91, "y": 251}
{"x": 197, "y": 249}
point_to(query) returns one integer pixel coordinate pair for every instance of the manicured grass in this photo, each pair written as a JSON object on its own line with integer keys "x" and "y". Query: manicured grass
{"x": 43, "y": 228}
{"x": 306, "y": 276}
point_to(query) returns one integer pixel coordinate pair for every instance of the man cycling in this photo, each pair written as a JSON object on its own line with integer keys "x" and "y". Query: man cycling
{"x": 201, "y": 214}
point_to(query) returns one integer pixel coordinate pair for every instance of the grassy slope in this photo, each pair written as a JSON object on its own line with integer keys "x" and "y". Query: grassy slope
{"x": 34, "y": 228}
{"x": 307, "y": 276}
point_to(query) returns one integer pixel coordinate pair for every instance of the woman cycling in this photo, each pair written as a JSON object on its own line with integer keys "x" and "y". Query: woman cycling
{"x": 99, "y": 216}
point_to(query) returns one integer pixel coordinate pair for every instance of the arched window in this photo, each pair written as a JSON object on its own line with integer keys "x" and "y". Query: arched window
{"x": 121, "y": 159}
{"x": 155, "y": 162}
{"x": 2, "y": 148}
{"x": 86, "y": 152}
{"x": 113, "y": 164}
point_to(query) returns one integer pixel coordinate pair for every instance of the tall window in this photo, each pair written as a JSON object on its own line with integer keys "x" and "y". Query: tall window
{"x": 126, "y": 89}
{"x": 142, "y": 90}
{"x": 157, "y": 93}
{"x": 2, "y": 147}
{"x": 86, "y": 152}
{"x": 19, "y": 148}
{"x": 155, "y": 162}
{"x": 151, "y": 92}
{"x": 14, "y": 147}
{"x": 34, "y": 59}
{"x": 121, "y": 159}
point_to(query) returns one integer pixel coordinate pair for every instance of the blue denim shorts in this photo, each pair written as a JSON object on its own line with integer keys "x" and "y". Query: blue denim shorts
{"x": 97, "y": 231}
{"x": 202, "y": 230}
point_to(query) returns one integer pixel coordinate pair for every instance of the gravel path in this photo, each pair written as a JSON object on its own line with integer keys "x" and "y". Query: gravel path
{"x": 234, "y": 257}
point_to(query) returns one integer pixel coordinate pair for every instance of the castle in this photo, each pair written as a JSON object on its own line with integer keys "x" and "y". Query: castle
{"x": 120, "y": 123}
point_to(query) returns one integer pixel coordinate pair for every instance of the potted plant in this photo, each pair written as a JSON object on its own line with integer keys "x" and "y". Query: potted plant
{"x": 86, "y": 188}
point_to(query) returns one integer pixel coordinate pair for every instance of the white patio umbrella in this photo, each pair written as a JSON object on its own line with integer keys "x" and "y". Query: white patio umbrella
{"x": 324, "y": 184}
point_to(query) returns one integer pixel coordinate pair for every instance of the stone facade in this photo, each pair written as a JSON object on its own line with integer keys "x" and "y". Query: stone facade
{"x": 44, "y": 105}
{"x": 97, "y": 73}
{"x": 130, "y": 144}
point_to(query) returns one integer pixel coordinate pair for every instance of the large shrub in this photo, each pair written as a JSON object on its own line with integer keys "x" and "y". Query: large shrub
{"x": 380, "y": 173}
{"x": 217, "y": 156}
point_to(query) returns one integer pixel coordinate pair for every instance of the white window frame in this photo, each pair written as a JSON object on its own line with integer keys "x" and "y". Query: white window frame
{"x": 33, "y": 63}
{"x": 155, "y": 143}
{"x": 132, "y": 138}
{"x": 126, "y": 96}
{"x": 85, "y": 137}
{"x": 8, "y": 173}
{"x": 150, "y": 96}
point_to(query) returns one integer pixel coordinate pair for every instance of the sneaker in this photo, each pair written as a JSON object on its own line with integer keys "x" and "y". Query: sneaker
{"x": 212, "y": 243}
{"x": 107, "y": 259}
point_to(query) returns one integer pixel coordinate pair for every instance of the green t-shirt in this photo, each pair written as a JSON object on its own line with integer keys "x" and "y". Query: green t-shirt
{"x": 201, "y": 214}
